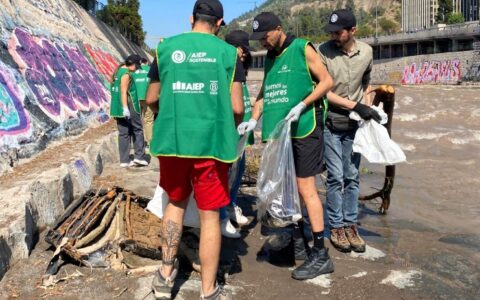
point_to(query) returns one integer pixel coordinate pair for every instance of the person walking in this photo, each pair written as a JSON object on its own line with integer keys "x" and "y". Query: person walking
{"x": 141, "y": 81}
{"x": 125, "y": 109}
{"x": 238, "y": 39}
{"x": 197, "y": 79}
{"x": 349, "y": 62}
{"x": 293, "y": 88}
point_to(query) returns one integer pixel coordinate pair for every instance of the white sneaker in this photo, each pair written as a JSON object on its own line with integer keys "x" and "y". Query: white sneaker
{"x": 228, "y": 230}
{"x": 141, "y": 162}
{"x": 235, "y": 213}
{"x": 126, "y": 165}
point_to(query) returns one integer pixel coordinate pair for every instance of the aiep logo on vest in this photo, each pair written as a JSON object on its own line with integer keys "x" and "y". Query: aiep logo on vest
{"x": 188, "y": 87}
{"x": 178, "y": 56}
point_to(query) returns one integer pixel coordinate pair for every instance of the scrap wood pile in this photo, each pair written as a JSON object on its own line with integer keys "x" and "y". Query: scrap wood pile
{"x": 99, "y": 227}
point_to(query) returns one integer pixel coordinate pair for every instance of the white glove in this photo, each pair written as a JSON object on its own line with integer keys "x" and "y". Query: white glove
{"x": 295, "y": 112}
{"x": 245, "y": 127}
{"x": 126, "y": 112}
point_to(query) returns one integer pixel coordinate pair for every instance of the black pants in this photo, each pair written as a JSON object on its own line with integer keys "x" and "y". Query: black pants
{"x": 130, "y": 130}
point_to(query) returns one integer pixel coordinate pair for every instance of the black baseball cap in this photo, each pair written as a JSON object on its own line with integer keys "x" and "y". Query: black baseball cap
{"x": 210, "y": 8}
{"x": 263, "y": 23}
{"x": 238, "y": 38}
{"x": 133, "y": 59}
{"x": 340, "y": 19}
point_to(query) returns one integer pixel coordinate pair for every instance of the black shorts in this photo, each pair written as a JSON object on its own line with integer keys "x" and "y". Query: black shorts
{"x": 308, "y": 153}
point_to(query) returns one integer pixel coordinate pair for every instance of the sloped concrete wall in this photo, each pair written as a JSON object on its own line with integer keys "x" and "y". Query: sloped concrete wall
{"x": 443, "y": 68}
{"x": 56, "y": 64}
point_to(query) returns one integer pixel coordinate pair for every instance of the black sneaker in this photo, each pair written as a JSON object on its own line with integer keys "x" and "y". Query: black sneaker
{"x": 317, "y": 263}
{"x": 300, "y": 248}
{"x": 162, "y": 287}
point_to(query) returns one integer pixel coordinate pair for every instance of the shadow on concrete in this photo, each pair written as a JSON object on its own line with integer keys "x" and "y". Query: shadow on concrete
{"x": 5, "y": 255}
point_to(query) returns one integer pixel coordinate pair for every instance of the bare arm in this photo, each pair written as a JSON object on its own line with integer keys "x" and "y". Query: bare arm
{"x": 318, "y": 70}
{"x": 124, "y": 85}
{"x": 237, "y": 102}
{"x": 153, "y": 93}
{"x": 258, "y": 106}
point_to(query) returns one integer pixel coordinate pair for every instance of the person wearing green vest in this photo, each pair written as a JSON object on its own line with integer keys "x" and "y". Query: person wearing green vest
{"x": 294, "y": 86}
{"x": 141, "y": 81}
{"x": 198, "y": 97}
{"x": 238, "y": 39}
{"x": 125, "y": 109}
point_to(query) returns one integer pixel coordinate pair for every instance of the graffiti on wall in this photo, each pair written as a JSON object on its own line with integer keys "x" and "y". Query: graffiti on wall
{"x": 14, "y": 120}
{"x": 62, "y": 79}
{"x": 447, "y": 71}
{"x": 104, "y": 62}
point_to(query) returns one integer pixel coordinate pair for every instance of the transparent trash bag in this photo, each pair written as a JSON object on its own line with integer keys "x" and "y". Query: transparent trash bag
{"x": 278, "y": 201}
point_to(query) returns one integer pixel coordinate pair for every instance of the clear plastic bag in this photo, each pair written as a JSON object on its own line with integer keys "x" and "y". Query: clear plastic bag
{"x": 278, "y": 201}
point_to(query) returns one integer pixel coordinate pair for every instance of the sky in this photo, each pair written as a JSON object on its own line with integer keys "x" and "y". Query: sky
{"x": 163, "y": 18}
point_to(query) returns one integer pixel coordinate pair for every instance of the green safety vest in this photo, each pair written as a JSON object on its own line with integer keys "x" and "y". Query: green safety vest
{"x": 116, "y": 109}
{"x": 248, "y": 112}
{"x": 195, "y": 118}
{"x": 141, "y": 81}
{"x": 287, "y": 82}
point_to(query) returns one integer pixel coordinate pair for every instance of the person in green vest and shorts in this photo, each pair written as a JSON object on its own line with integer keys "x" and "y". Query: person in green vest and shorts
{"x": 293, "y": 89}
{"x": 141, "y": 81}
{"x": 195, "y": 89}
{"x": 239, "y": 39}
{"x": 125, "y": 109}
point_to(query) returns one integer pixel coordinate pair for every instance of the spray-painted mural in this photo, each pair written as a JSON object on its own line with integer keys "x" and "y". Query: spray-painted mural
{"x": 14, "y": 119}
{"x": 104, "y": 62}
{"x": 441, "y": 72}
{"x": 59, "y": 75}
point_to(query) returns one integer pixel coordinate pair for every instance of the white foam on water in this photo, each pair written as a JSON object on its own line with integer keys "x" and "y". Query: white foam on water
{"x": 369, "y": 254}
{"x": 323, "y": 281}
{"x": 425, "y": 136}
{"x": 407, "y": 100}
{"x": 358, "y": 275}
{"x": 406, "y": 117}
{"x": 402, "y": 279}
{"x": 407, "y": 147}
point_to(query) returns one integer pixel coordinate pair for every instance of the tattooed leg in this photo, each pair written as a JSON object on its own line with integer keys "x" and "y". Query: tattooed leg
{"x": 171, "y": 235}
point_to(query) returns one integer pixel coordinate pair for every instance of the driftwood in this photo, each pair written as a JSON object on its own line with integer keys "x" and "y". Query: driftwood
{"x": 385, "y": 94}
{"x": 102, "y": 224}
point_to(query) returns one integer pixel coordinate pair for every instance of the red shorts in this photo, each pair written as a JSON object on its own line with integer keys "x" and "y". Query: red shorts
{"x": 208, "y": 178}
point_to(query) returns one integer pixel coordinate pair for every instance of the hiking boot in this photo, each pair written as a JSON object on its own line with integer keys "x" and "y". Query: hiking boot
{"x": 162, "y": 287}
{"x": 228, "y": 230}
{"x": 339, "y": 240}
{"x": 218, "y": 294}
{"x": 356, "y": 242}
{"x": 317, "y": 263}
{"x": 300, "y": 248}
{"x": 235, "y": 214}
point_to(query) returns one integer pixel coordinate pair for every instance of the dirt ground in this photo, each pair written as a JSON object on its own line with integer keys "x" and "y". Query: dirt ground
{"x": 416, "y": 251}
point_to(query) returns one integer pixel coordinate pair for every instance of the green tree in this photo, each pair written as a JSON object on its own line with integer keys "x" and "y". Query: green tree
{"x": 388, "y": 26}
{"x": 445, "y": 8}
{"x": 455, "y": 18}
{"x": 124, "y": 16}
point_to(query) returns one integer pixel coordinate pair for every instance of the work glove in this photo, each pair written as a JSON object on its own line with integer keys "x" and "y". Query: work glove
{"x": 245, "y": 127}
{"x": 295, "y": 112}
{"x": 126, "y": 112}
{"x": 366, "y": 112}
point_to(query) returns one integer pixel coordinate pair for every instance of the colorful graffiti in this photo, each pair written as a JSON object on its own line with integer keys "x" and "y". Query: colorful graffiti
{"x": 14, "y": 120}
{"x": 106, "y": 64}
{"x": 443, "y": 72}
{"x": 62, "y": 79}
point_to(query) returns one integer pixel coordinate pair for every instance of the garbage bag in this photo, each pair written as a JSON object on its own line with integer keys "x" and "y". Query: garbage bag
{"x": 374, "y": 143}
{"x": 234, "y": 168}
{"x": 160, "y": 200}
{"x": 278, "y": 201}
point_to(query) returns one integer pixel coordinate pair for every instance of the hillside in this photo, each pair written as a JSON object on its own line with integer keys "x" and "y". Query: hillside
{"x": 306, "y": 18}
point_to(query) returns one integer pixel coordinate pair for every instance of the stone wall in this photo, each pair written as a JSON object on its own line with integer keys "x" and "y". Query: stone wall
{"x": 444, "y": 68}
{"x": 56, "y": 64}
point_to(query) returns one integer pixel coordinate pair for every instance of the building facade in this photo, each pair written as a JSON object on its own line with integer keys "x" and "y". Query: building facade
{"x": 468, "y": 8}
{"x": 418, "y": 14}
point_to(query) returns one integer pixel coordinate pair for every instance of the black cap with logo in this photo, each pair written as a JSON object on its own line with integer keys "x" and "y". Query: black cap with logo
{"x": 340, "y": 19}
{"x": 133, "y": 59}
{"x": 263, "y": 23}
{"x": 210, "y": 8}
{"x": 238, "y": 38}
